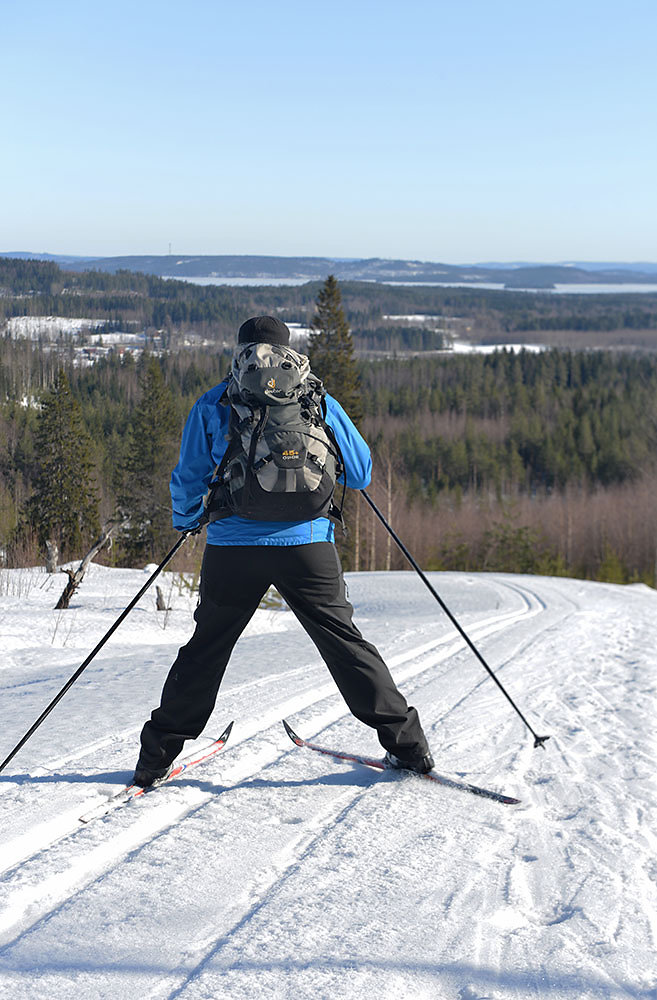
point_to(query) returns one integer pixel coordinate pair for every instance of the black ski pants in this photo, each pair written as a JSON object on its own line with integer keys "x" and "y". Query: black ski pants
{"x": 309, "y": 577}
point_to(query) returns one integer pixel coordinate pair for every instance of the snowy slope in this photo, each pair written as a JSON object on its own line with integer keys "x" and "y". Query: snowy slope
{"x": 273, "y": 872}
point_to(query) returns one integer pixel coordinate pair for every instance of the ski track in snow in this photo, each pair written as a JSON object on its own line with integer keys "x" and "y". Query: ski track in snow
{"x": 52, "y": 830}
{"x": 271, "y": 872}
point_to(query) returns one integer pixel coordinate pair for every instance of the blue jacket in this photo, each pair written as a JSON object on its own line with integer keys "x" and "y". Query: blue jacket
{"x": 202, "y": 448}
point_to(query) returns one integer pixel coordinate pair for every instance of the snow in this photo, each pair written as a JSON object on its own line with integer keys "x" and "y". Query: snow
{"x": 273, "y": 872}
{"x": 49, "y": 327}
{"x": 464, "y": 347}
{"x": 415, "y": 318}
{"x": 299, "y": 333}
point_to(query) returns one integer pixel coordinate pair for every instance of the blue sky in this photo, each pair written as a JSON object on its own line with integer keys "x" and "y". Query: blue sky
{"x": 419, "y": 129}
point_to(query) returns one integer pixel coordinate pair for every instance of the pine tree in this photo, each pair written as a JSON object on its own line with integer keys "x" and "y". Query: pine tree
{"x": 64, "y": 505}
{"x": 146, "y": 468}
{"x": 331, "y": 350}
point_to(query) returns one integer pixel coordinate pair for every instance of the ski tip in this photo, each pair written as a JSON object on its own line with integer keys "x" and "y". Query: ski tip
{"x": 291, "y": 733}
{"x": 226, "y": 733}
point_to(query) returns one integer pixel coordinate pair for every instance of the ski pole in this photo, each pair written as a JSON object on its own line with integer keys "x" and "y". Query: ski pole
{"x": 83, "y": 666}
{"x": 539, "y": 741}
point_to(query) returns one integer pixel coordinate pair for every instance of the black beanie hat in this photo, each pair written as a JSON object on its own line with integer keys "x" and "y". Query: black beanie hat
{"x": 263, "y": 330}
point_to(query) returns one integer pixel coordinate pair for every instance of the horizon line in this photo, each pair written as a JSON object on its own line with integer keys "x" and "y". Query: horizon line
{"x": 567, "y": 262}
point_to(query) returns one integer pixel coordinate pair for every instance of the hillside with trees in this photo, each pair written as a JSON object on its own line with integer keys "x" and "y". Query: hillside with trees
{"x": 268, "y": 267}
{"x": 536, "y": 462}
{"x": 380, "y": 317}
{"x": 532, "y": 462}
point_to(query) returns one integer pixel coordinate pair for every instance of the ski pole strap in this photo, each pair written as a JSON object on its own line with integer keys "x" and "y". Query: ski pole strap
{"x": 539, "y": 741}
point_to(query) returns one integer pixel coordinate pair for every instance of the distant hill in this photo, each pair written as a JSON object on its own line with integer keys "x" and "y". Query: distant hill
{"x": 638, "y": 267}
{"x": 61, "y": 259}
{"x": 266, "y": 268}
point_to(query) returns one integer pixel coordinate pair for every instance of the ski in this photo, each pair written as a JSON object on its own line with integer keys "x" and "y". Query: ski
{"x": 440, "y": 779}
{"x": 131, "y": 792}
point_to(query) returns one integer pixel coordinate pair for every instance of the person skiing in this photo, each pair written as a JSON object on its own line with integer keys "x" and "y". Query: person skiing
{"x": 245, "y": 555}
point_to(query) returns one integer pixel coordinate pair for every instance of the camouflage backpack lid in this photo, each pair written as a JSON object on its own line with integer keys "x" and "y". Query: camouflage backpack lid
{"x": 282, "y": 459}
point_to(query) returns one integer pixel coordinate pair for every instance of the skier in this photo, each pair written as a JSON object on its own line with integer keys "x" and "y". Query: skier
{"x": 243, "y": 557}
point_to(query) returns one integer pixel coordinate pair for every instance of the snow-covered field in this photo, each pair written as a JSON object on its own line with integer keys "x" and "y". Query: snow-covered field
{"x": 273, "y": 872}
{"x": 49, "y": 327}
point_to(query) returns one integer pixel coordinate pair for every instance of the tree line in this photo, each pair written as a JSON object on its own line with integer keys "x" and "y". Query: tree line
{"x": 37, "y": 288}
{"x": 534, "y": 421}
{"x": 519, "y": 461}
{"x": 524, "y": 462}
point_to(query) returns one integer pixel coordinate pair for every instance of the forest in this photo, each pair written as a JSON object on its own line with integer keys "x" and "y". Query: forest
{"x": 519, "y": 461}
{"x": 377, "y": 314}
{"x": 510, "y": 461}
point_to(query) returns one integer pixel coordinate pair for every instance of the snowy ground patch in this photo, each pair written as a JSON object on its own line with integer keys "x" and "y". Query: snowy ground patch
{"x": 273, "y": 872}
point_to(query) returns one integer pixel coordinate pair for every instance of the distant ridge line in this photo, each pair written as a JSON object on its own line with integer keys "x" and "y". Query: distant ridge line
{"x": 515, "y": 275}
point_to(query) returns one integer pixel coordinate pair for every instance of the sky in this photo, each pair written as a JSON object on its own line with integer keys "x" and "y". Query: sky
{"x": 417, "y": 129}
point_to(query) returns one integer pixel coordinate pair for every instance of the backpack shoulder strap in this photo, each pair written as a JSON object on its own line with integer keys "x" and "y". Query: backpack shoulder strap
{"x": 336, "y": 511}
{"x": 216, "y": 505}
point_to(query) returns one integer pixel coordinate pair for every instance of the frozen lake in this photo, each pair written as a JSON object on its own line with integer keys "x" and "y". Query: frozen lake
{"x": 597, "y": 289}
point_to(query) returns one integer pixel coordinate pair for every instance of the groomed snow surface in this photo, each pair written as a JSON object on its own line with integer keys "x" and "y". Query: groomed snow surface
{"x": 273, "y": 872}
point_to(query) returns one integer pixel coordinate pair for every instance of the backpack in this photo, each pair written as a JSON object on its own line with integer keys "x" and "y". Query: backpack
{"x": 282, "y": 459}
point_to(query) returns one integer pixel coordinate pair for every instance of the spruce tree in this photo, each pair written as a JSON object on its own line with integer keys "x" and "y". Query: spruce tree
{"x": 63, "y": 507}
{"x": 145, "y": 471}
{"x": 331, "y": 353}
{"x": 331, "y": 350}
